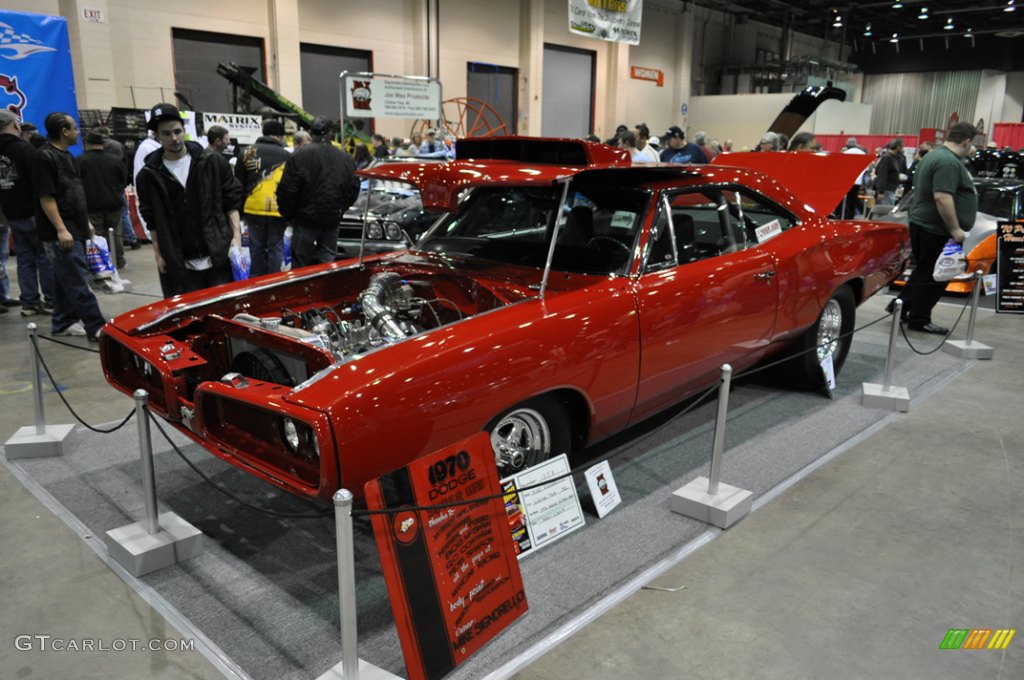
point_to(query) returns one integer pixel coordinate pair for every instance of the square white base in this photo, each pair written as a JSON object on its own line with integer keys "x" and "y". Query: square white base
{"x": 25, "y": 443}
{"x": 724, "y": 509}
{"x": 140, "y": 552}
{"x": 893, "y": 399}
{"x": 367, "y": 671}
{"x": 961, "y": 349}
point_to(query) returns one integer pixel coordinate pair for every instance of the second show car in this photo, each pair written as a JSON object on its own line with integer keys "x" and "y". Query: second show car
{"x": 552, "y": 306}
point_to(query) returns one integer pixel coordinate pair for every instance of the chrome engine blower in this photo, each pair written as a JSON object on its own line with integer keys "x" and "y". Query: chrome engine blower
{"x": 388, "y": 309}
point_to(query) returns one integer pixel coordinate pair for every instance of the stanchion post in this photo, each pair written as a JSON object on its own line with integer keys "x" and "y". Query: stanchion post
{"x": 146, "y": 450}
{"x": 719, "y": 444}
{"x": 897, "y": 314}
{"x": 346, "y": 584}
{"x": 705, "y": 498}
{"x": 37, "y": 381}
{"x": 975, "y": 298}
{"x": 157, "y": 541}
{"x": 968, "y": 349}
{"x": 38, "y": 440}
{"x": 111, "y": 248}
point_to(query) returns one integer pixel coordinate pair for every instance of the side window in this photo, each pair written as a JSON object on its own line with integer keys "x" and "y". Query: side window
{"x": 708, "y": 222}
{"x": 755, "y": 220}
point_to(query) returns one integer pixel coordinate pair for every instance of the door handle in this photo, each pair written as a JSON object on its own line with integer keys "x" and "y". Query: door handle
{"x": 765, "y": 276}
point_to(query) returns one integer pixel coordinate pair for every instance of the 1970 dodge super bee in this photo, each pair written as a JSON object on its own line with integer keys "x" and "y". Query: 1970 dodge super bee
{"x": 558, "y": 300}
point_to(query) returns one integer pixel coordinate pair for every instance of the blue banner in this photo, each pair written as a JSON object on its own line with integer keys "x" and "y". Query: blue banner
{"x": 36, "y": 78}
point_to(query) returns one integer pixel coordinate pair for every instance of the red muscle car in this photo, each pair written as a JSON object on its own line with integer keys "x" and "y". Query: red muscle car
{"x": 558, "y": 300}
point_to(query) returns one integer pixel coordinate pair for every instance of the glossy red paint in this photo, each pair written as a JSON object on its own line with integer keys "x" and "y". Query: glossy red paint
{"x": 614, "y": 348}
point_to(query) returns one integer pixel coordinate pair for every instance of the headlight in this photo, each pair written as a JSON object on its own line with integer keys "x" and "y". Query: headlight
{"x": 374, "y": 230}
{"x": 290, "y": 434}
{"x": 392, "y": 231}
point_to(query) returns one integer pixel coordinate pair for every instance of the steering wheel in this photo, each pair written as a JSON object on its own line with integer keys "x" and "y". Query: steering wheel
{"x": 602, "y": 243}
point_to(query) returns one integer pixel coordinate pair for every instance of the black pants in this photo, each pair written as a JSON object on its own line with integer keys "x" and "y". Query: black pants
{"x": 188, "y": 280}
{"x": 923, "y": 291}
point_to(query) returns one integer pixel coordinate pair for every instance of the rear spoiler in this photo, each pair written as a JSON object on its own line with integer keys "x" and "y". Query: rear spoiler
{"x": 570, "y": 152}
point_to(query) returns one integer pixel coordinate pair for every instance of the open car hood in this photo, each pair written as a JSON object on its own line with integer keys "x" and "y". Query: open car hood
{"x": 819, "y": 180}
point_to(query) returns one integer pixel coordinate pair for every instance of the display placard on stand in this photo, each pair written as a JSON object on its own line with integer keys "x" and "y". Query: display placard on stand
{"x": 1010, "y": 267}
{"x": 451, "y": 572}
{"x": 603, "y": 489}
{"x": 547, "y": 512}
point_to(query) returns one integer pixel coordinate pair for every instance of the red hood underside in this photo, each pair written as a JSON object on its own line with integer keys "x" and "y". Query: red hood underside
{"x": 819, "y": 180}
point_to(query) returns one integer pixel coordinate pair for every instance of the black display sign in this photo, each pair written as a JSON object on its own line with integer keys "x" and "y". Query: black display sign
{"x": 1010, "y": 266}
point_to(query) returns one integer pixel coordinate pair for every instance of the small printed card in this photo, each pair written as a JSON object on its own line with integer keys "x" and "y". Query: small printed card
{"x": 602, "y": 488}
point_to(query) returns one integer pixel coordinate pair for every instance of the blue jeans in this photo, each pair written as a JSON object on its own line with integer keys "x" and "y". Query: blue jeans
{"x": 73, "y": 299}
{"x": 5, "y": 284}
{"x": 126, "y": 226}
{"x": 266, "y": 243}
{"x": 34, "y": 269}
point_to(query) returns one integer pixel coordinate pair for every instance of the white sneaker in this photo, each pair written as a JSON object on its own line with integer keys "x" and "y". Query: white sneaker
{"x": 76, "y": 329}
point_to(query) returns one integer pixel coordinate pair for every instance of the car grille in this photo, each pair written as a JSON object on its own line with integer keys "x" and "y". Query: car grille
{"x": 253, "y": 433}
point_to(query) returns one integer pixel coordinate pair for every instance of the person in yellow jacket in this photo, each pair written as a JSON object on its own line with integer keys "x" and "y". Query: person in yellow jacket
{"x": 259, "y": 171}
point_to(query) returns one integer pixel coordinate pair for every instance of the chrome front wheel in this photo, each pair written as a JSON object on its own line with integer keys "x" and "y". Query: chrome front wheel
{"x": 529, "y": 434}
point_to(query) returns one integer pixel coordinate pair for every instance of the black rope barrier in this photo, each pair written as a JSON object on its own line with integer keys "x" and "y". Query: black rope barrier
{"x": 42, "y": 362}
{"x": 68, "y": 344}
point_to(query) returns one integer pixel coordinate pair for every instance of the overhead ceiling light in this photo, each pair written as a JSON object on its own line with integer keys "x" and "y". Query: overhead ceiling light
{"x": 969, "y": 33}
{"x": 838, "y": 23}
{"x": 1009, "y": 6}
{"x": 949, "y": 24}
{"x": 924, "y": 12}
{"x": 895, "y": 38}
{"x": 867, "y": 31}
{"x": 897, "y": 5}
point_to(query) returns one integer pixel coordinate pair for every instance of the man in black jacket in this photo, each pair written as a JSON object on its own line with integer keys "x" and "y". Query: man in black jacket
{"x": 104, "y": 178}
{"x": 18, "y": 200}
{"x": 317, "y": 187}
{"x": 190, "y": 203}
{"x": 64, "y": 227}
{"x": 257, "y": 172}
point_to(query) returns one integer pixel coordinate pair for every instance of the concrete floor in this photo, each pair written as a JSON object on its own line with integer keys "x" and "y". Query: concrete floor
{"x": 857, "y": 571}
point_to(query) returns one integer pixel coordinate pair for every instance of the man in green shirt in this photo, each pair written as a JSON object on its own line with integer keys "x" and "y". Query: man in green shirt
{"x": 943, "y": 207}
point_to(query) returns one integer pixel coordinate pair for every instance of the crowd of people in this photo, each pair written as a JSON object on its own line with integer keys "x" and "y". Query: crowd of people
{"x": 193, "y": 201}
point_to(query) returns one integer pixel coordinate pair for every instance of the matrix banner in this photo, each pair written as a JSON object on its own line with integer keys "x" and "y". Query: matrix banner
{"x": 612, "y": 20}
{"x": 368, "y": 95}
{"x": 451, "y": 571}
{"x": 35, "y": 67}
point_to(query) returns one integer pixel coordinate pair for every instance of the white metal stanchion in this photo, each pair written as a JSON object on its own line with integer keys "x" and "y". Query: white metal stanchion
{"x": 706, "y": 498}
{"x": 886, "y": 395}
{"x": 40, "y": 440}
{"x": 968, "y": 349}
{"x": 157, "y": 541}
{"x": 119, "y": 284}
{"x": 351, "y": 667}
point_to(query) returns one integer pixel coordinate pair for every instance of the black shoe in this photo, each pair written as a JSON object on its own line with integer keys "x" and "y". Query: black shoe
{"x": 928, "y": 328}
{"x": 136, "y": 245}
{"x": 93, "y": 338}
{"x": 10, "y": 303}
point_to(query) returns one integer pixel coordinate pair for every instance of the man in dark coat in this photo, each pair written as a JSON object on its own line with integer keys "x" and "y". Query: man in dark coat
{"x": 104, "y": 178}
{"x": 317, "y": 187}
{"x": 190, "y": 203}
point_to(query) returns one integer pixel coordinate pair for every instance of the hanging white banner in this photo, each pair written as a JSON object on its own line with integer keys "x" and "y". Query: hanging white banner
{"x": 612, "y": 20}
{"x": 375, "y": 96}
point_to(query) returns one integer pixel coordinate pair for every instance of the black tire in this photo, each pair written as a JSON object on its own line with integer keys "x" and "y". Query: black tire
{"x": 830, "y": 334}
{"x": 529, "y": 433}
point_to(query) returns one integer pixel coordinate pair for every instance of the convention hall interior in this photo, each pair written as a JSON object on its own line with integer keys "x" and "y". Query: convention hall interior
{"x": 713, "y": 516}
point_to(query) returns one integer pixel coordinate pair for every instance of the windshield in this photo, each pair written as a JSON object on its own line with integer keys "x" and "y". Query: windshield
{"x": 598, "y": 228}
{"x": 996, "y": 200}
